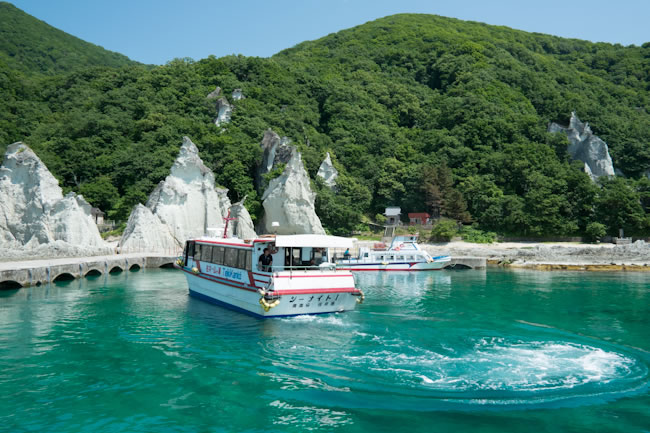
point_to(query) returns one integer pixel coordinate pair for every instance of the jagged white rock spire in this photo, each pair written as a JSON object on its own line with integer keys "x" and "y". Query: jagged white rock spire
{"x": 224, "y": 111}
{"x": 289, "y": 201}
{"x": 242, "y": 225}
{"x": 586, "y": 147}
{"x": 33, "y": 210}
{"x": 328, "y": 172}
{"x": 186, "y": 203}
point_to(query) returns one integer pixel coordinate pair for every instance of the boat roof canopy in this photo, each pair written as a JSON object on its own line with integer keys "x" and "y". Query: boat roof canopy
{"x": 316, "y": 241}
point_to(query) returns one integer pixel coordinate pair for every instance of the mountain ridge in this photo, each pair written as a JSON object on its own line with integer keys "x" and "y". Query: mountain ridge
{"x": 423, "y": 112}
{"x": 30, "y": 45}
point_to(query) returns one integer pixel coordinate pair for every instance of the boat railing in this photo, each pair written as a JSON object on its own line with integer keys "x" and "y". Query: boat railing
{"x": 281, "y": 268}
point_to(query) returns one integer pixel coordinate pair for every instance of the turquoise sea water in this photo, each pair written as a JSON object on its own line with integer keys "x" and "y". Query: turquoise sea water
{"x": 489, "y": 351}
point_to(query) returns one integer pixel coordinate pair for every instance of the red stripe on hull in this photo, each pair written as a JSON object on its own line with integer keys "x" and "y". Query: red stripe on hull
{"x": 313, "y": 291}
{"x": 388, "y": 270}
{"x": 224, "y": 243}
{"x": 312, "y": 276}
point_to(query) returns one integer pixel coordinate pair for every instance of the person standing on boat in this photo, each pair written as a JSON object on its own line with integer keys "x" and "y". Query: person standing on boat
{"x": 265, "y": 261}
{"x": 346, "y": 254}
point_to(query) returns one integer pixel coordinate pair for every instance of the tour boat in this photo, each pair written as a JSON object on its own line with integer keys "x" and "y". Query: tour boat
{"x": 300, "y": 280}
{"x": 403, "y": 254}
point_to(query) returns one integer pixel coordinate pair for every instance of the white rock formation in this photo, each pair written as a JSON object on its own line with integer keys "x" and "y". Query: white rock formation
{"x": 242, "y": 225}
{"x": 33, "y": 211}
{"x": 586, "y": 147}
{"x": 328, "y": 172}
{"x": 145, "y": 232}
{"x": 186, "y": 204}
{"x": 237, "y": 95}
{"x": 224, "y": 111}
{"x": 275, "y": 150}
{"x": 216, "y": 93}
{"x": 289, "y": 201}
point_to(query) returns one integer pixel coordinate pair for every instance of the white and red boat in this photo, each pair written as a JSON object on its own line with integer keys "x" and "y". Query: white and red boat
{"x": 403, "y": 254}
{"x": 300, "y": 280}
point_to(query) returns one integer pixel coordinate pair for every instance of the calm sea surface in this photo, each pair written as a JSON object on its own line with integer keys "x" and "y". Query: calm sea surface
{"x": 489, "y": 351}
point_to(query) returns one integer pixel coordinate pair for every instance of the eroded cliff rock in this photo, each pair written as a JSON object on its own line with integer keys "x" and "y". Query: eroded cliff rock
{"x": 237, "y": 95}
{"x": 289, "y": 201}
{"x": 224, "y": 111}
{"x": 215, "y": 94}
{"x": 586, "y": 147}
{"x": 33, "y": 211}
{"x": 145, "y": 232}
{"x": 276, "y": 150}
{"x": 328, "y": 172}
{"x": 242, "y": 225}
{"x": 186, "y": 203}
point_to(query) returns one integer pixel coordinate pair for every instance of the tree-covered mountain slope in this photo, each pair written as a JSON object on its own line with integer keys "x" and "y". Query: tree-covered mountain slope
{"x": 30, "y": 46}
{"x": 418, "y": 111}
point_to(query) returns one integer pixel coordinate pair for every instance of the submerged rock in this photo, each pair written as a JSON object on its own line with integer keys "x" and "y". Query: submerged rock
{"x": 33, "y": 211}
{"x": 586, "y": 147}
{"x": 289, "y": 201}
{"x": 186, "y": 203}
{"x": 328, "y": 172}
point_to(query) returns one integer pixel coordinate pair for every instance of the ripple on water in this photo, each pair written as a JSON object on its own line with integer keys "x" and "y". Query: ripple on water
{"x": 389, "y": 372}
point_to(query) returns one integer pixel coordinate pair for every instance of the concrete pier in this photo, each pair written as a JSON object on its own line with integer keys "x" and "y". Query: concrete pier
{"x": 467, "y": 263}
{"x": 36, "y": 272}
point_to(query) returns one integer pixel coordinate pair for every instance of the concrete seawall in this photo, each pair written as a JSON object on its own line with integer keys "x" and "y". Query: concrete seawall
{"x": 467, "y": 263}
{"x": 37, "y": 272}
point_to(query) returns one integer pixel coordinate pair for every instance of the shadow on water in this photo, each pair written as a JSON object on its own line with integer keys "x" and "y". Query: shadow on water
{"x": 9, "y": 286}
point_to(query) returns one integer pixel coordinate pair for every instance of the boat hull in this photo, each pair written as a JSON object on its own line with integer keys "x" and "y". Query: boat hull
{"x": 356, "y": 266}
{"x": 291, "y": 302}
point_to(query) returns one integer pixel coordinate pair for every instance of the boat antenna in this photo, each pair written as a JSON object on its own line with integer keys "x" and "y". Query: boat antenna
{"x": 227, "y": 220}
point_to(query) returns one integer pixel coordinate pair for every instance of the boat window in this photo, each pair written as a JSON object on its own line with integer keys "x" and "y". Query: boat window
{"x": 249, "y": 260}
{"x": 391, "y": 257}
{"x": 409, "y": 258}
{"x": 381, "y": 257}
{"x": 206, "y": 253}
{"x": 189, "y": 251}
{"x": 241, "y": 259}
{"x": 197, "y": 252}
{"x": 231, "y": 257}
{"x": 319, "y": 255}
{"x": 400, "y": 258}
{"x": 217, "y": 255}
{"x": 365, "y": 254}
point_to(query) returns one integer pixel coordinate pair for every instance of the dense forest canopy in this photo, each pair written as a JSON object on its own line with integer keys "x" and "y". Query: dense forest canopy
{"x": 418, "y": 111}
{"x": 32, "y": 46}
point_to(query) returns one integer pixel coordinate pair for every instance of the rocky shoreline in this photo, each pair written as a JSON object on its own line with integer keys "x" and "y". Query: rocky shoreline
{"x": 553, "y": 256}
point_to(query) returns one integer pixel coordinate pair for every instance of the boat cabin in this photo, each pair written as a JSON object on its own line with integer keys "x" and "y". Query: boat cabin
{"x": 290, "y": 252}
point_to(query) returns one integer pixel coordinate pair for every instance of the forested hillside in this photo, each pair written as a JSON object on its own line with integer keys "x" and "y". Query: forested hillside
{"x": 418, "y": 111}
{"x": 32, "y": 46}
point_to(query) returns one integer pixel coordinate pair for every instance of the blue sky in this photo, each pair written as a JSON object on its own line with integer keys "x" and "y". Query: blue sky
{"x": 156, "y": 31}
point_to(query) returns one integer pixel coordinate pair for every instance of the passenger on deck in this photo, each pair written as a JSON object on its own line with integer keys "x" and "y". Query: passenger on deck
{"x": 265, "y": 262}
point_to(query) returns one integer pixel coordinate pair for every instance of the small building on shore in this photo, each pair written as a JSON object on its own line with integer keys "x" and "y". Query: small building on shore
{"x": 392, "y": 215}
{"x": 97, "y": 215}
{"x": 419, "y": 218}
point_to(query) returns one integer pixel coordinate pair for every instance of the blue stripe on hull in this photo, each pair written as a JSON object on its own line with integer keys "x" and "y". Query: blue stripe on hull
{"x": 210, "y": 300}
